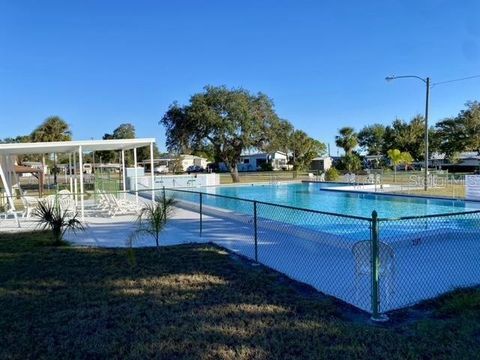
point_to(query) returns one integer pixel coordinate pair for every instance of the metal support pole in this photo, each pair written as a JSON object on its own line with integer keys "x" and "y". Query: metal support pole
{"x": 74, "y": 165}
{"x": 255, "y": 229}
{"x": 426, "y": 131}
{"x": 80, "y": 160}
{"x": 375, "y": 261}
{"x": 136, "y": 173}
{"x": 70, "y": 171}
{"x": 201, "y": 214}
{"x": 152, "y": 172}
{"x": 124, "y": 180}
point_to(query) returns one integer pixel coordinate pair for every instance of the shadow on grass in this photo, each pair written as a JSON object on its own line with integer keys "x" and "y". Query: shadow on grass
{"x": 186, "y": 301}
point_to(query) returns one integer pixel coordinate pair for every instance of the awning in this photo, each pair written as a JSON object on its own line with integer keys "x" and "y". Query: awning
{"x": 72, "y": 146}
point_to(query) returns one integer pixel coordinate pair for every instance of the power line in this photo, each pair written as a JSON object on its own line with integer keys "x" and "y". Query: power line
{"x": 454, "y": 80}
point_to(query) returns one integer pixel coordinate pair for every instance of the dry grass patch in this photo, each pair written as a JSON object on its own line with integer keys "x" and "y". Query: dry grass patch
{"x": 197, "y": 302}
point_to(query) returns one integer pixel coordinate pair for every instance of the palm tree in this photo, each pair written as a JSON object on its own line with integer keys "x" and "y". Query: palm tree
{"x": 352, "y": 162}
{"x": 51, "y": 216}
{"x": 153, "y": 218}
{"x": 53, "y": 128}
{"x": 398, "y": 158}
{"x": 347, "y": 139}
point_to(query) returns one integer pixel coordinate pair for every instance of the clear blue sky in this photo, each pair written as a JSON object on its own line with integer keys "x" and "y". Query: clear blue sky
{"x": 98, "y": 64}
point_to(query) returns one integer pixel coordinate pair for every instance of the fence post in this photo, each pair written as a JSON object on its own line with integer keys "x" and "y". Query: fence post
{"x": 201, "y": 214}
{"x": 255, "y": 229}
{"x": 375, "y": 261}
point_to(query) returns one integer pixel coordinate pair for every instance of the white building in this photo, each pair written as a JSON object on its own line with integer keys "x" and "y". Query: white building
{"x": 322, "y": 163}
{"x": 468, "y": 160}
{"x": 36, "y": 165}
{"x": 164, "y": 165}
{"x": 192, "y": 160}
{"x": 253, "y": 162}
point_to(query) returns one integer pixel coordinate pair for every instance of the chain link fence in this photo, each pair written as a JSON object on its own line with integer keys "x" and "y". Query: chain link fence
{"x": 309, "y": 246}
{"x": 439, "y": 183}
{"x": 430, "y": 255}
{"x": 375, "y": 264}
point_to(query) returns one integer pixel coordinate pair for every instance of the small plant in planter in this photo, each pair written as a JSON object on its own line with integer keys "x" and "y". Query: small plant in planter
{"x": 51, "y": 217}
{"x": 153, "y": 218}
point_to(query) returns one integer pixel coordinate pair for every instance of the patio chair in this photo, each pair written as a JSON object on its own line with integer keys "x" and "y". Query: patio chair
{"x": 362, "y": 254}
{"x": 65, "y": 194}
{"x": 51, "y": 200}
{"x": 321, "y": 177}
{"x": 67, "y": 204}
{"x": 117, "y": 206}
{"x": 7, "y": 210}
{"x": 29, "y": 203}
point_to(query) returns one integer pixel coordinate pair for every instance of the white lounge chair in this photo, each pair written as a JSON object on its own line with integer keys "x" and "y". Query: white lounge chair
{"x": 65, "y": 194}
{"x": 29, "y": 204}
{"x": 115, "y": 206}
{"x": 7, "y": 211}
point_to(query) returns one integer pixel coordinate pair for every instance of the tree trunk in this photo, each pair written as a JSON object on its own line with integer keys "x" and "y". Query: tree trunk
{"x": 234, "y": 173}
{"x": 295, "y": 171}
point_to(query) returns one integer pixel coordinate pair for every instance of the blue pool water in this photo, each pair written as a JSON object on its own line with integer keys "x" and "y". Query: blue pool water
{"x": 312, "y": 196}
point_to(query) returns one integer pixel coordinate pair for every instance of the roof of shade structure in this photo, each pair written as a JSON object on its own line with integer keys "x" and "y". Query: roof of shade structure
{"x": 72, "y": 146}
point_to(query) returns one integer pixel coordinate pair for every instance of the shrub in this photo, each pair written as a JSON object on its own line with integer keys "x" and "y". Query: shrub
{"x": 332, "y": 174}
{"x": 50, "y": 216}
{"x": 153, "y": 218}
{"x": 266, "y": 167}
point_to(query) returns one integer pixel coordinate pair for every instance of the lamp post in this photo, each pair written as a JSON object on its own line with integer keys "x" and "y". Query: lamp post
{"x": 427, "y": 84}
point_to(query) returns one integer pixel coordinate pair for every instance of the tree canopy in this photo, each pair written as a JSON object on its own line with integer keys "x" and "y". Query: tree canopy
{"x": 372, "y": 139}
{"x": 347, "y": 139}
{"x": 228, "y": 120}
{"x": 304, "y": 149}
{"x": 409, "y": 137}
{"x": 53, "y": 128}
{"x": 126, "y": 131}
{"x": 460, "y": 133}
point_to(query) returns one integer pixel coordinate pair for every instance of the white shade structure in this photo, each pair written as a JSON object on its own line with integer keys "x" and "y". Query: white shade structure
{"x": 9, "y": 151}
{"x": 73, "y": 146}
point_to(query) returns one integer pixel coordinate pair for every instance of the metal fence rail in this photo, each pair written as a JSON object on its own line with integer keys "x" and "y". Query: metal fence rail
{"x": 373, "y": 263}
{"x": 376, "y": 264}
{"x": 331, "y": 252}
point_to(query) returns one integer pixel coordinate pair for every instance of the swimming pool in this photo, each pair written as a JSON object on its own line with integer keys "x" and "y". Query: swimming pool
{"x": 431, "y": 254}
{"x": 316, "y": 197}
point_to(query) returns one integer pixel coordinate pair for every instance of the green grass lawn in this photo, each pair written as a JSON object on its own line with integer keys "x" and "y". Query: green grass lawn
{"x": 200, "y": 302}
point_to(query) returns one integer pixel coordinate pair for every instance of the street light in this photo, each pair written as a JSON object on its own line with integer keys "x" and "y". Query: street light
{"x": 427, "y": 83}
